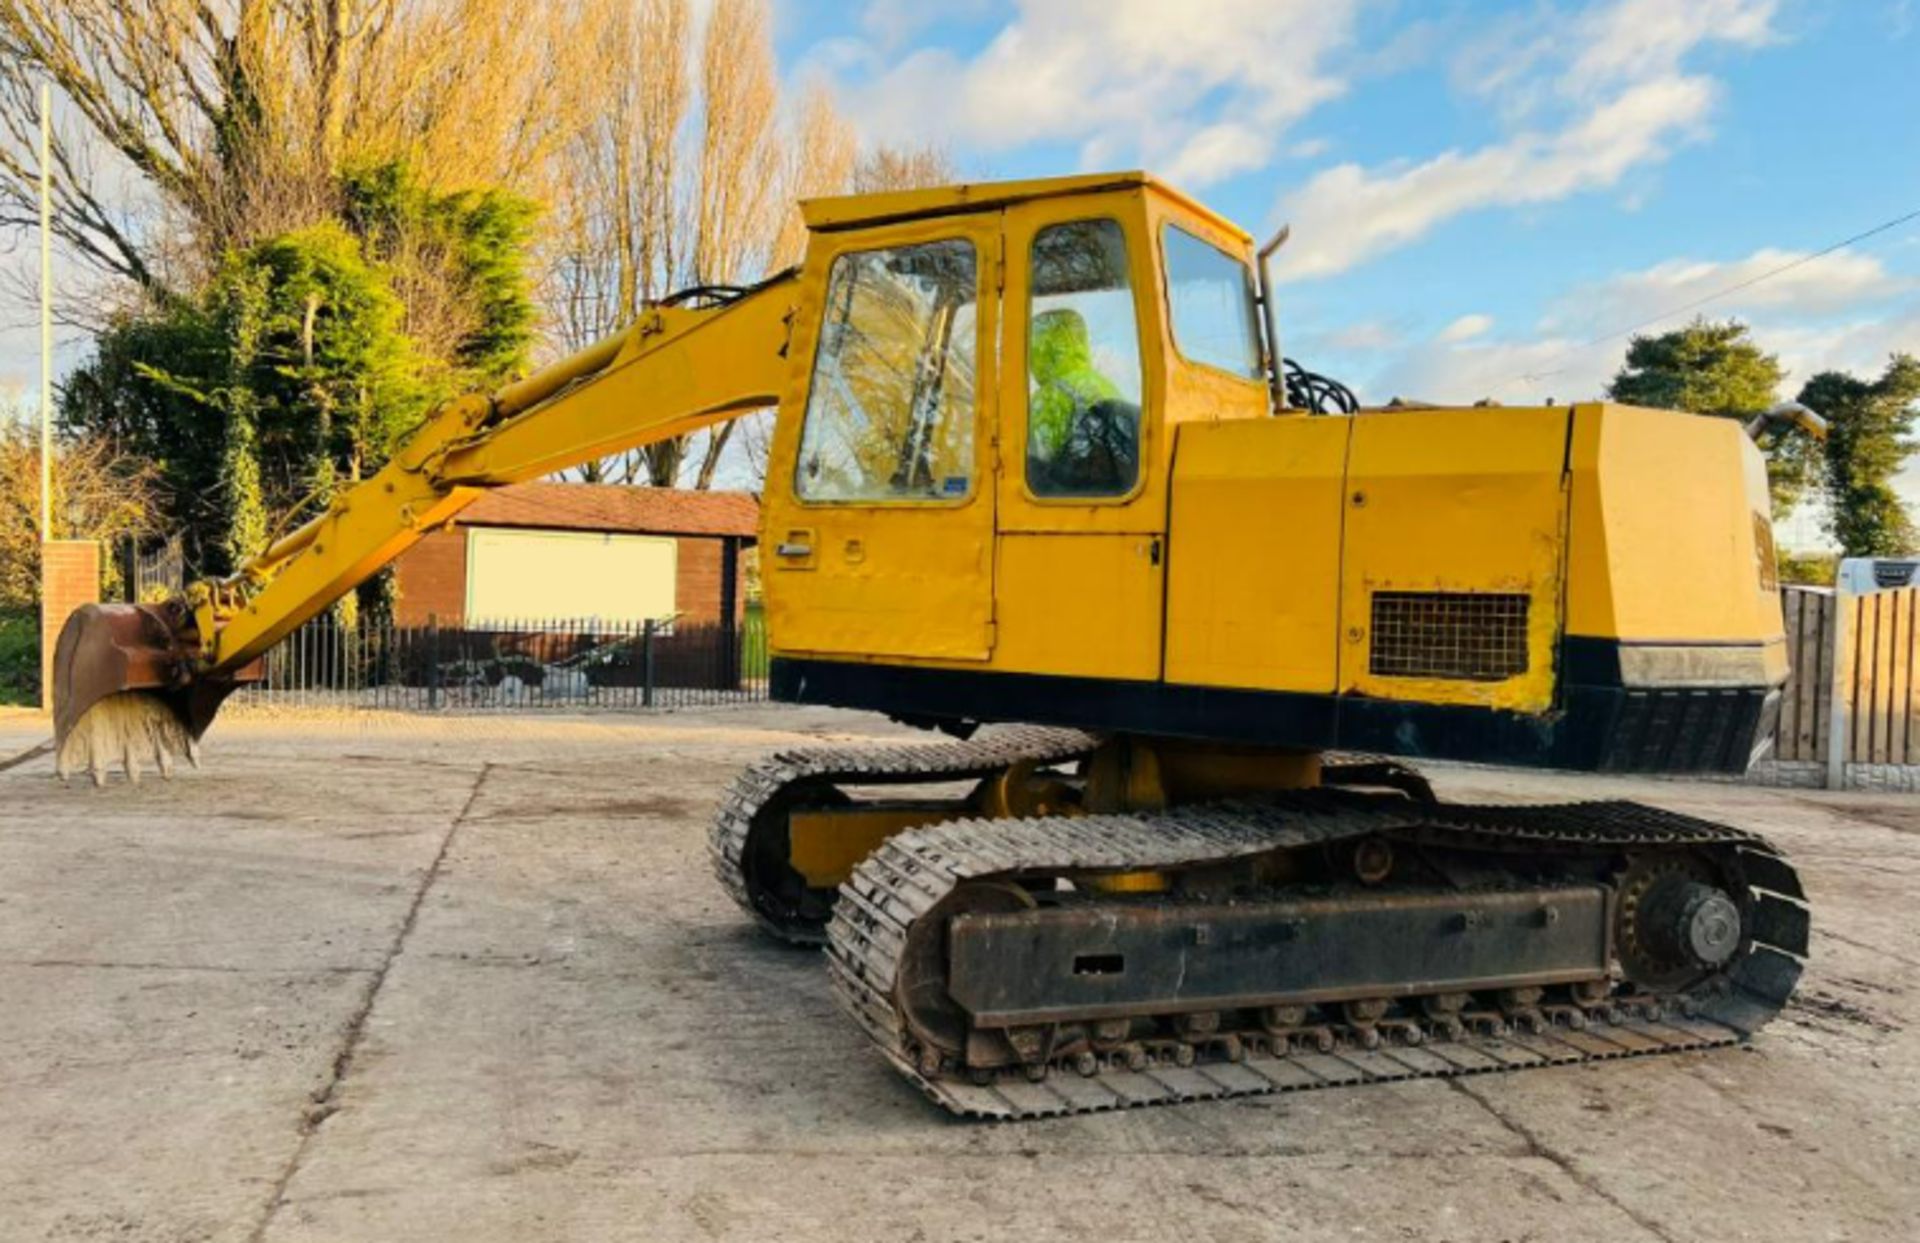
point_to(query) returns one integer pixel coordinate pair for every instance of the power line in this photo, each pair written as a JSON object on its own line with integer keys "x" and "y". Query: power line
{"x": 1718, "y": 294}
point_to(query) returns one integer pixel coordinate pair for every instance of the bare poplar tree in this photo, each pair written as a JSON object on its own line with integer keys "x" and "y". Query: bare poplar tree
{"x": 735, "y": 191}
{"x": 682, "y": 179}
{"x": 614, "y": 238}
{"x": 738, "y": 192}
{"x": 186, "y": 127}
{"x": 819, "y": 160}
{"x": 902, "y": 168}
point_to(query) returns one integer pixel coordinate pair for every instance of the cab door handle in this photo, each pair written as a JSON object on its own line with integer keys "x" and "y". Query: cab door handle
{"x": 796, "y": 551}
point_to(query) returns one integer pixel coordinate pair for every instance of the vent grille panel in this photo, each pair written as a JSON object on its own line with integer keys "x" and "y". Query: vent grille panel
{"x": 1469, "y": 636}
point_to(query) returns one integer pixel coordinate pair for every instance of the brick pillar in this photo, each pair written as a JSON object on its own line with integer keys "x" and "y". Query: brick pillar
{"x": 69, "y": 578}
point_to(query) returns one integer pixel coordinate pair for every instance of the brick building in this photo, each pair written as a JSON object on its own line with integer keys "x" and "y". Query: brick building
{"x": 550, "y": 551}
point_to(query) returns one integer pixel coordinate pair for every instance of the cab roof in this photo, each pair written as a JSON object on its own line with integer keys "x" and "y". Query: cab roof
{"x": 847, "y": 211}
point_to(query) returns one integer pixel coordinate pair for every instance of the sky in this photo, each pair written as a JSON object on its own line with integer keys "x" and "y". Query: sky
{"x": 1486, "y": 197}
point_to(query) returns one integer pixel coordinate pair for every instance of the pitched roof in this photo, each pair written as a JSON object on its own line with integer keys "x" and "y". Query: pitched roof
{"x": 616, "y": 507}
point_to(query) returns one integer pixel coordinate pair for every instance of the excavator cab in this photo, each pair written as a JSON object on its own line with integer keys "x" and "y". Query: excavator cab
{"x": 1040, "y": 544}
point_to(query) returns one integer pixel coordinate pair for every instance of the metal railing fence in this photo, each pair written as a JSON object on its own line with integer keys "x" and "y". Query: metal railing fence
{"x": 559, "y": 664}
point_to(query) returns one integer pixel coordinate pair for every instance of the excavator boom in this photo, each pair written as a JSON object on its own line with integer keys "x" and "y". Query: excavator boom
{"x": 134, "y": 682}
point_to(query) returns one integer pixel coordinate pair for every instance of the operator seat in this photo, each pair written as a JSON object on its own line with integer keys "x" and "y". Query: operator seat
{"x": 1083, "y": 437}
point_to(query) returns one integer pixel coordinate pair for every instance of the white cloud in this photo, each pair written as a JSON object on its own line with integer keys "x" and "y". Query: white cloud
{"x": 1465, "y": 328}
{"x": 1462, "y": 372}
{"x": 1635, "y": 40}
{"x": 1841, "y": 311}
{"x": 1202, "y": 91}
{"x": 892, "y": 22}
{"x": 1217, "y": 152}
{"x": 1613, "y": 76}
{"x": 1839, "y": 282}
{"x": 1349, "y": 214}
{"x": 1367, "y": 335}
{"x": 1861, "y": 346}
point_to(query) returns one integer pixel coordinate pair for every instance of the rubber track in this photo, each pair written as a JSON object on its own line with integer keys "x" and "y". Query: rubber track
{"x": 908, "y": 763}
{"x": 901, "y": 882}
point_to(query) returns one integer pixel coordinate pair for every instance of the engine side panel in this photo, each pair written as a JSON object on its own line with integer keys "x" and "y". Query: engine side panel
{"x": 1451, "y": 562}
{"x": 1253, "y": 575}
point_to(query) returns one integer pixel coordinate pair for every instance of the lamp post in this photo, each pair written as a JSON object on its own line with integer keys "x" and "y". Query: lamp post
{"x": 47, "y": 603}
{"x": 46, "y": 312}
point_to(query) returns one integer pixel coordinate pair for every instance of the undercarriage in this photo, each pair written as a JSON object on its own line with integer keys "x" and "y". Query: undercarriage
{"x": 1099, "y": 923}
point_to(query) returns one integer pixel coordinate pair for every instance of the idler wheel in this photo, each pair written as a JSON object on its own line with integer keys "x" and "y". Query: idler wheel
{"x": 1674, "y": 922}
{"x": 920, "y": 984}
{"x": 1686, "y": 921}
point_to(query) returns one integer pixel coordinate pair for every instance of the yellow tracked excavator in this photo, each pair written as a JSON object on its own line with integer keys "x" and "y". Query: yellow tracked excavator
{"x": 1040, "y": 467}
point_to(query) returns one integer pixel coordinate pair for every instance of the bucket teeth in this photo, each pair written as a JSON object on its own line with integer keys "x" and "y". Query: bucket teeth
{"x": 124, "y": 730}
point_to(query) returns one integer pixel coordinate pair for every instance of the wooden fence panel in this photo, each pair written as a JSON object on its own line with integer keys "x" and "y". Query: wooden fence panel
{"x": 1865, "y": 649}
{"x": 1824, "y": 611}
{"x": 1875, "y": 638}
{"x": 1864, "y": 617}
{"x": 1787, "y": 733}
{"x": 1880, "y": 676}
{"x": 1903, "y": 658}
{"x": 1904, "y": 701}
{"x": 1804, "y": 706}
{"x": 1899, "y": 679}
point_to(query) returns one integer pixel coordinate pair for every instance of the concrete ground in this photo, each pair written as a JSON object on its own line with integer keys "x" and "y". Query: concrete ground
{"x": 379, "y": 977}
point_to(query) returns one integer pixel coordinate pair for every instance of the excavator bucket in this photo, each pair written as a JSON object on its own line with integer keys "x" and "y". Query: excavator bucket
{"x": 124, "y": 691}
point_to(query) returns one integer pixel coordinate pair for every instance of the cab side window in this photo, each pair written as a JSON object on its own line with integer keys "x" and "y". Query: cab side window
{"x": 1083, "y": 364}
{"x": 890, "y": 412}
{"x": 1215, "y": 320}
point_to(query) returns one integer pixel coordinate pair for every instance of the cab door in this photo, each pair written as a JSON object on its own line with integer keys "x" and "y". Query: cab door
{"x": 878, "y": 531}
{"x": 1082, "y": 518}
